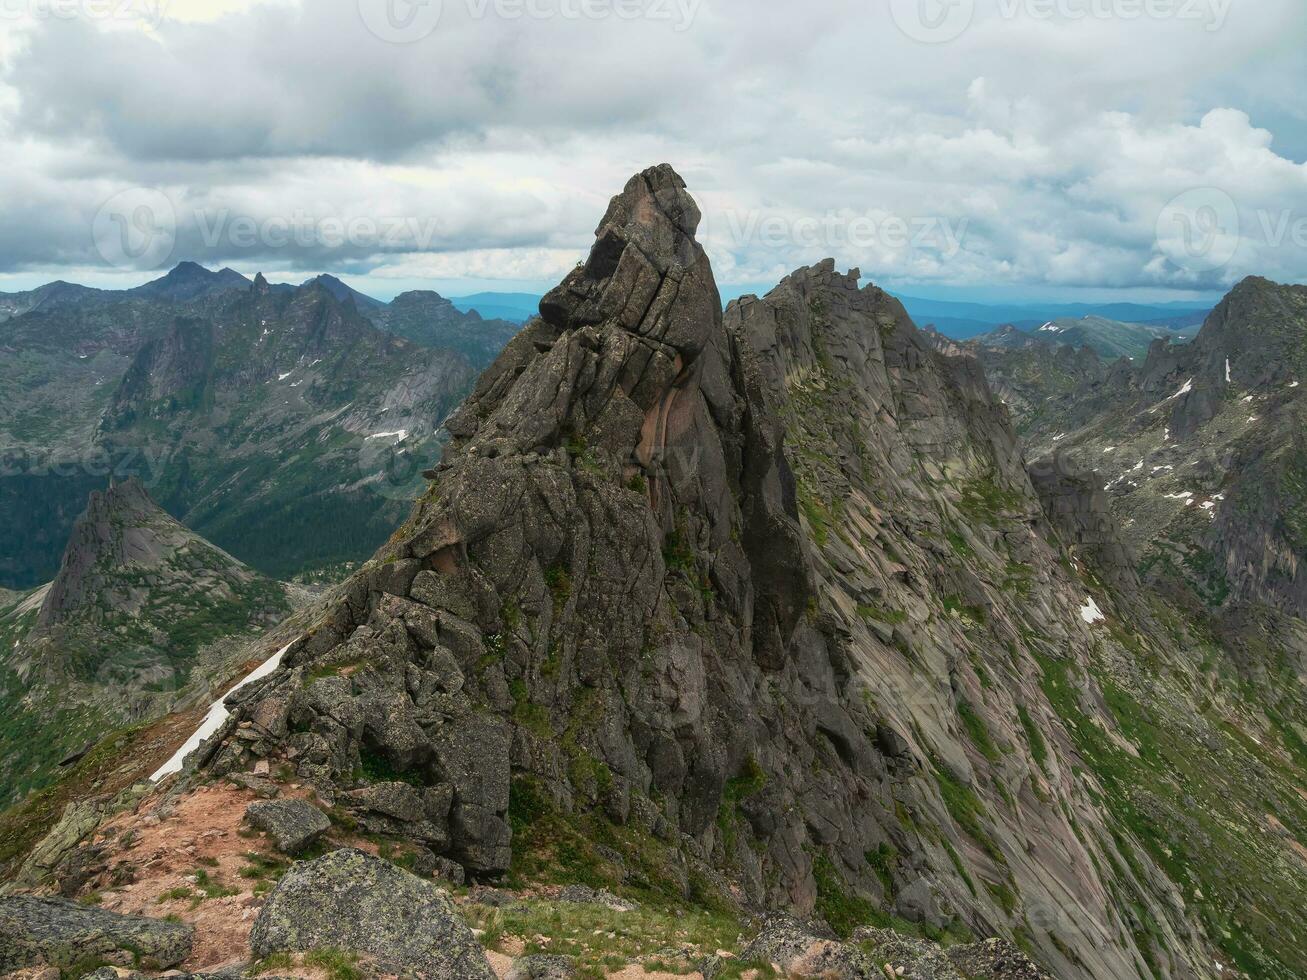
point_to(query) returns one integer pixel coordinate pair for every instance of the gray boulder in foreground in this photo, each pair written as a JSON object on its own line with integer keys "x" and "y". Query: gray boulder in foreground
{"x": 354, "y": 901}
{"x": 542, "y": 967}
{"x": 292, "y": 824}
{"x": 56, "y": 932}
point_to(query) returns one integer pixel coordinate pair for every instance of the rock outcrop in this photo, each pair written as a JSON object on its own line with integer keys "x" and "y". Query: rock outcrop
{"x": 348, "y": 900}
{"x": 292, "y": 824}
{"x": 1076, "y": 505}
{"x": 58, "y": 933}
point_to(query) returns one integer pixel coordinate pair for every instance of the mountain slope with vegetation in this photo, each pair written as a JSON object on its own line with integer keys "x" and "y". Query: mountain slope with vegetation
{"x": 253, "y": 413}
{"x": 140, "y": 611}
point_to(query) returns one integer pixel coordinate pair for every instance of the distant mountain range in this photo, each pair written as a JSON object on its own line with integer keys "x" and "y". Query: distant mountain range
{"x": 962, "y": 321}
{"x": 957, "y": 320}
{"x": 1200, "y": 442}
{"x": 517, "y": 307}
{"x": 1110, "y": 339}
{"x": 236, "y": 402}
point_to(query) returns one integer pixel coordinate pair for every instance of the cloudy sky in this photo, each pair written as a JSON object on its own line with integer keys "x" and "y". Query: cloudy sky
{"x": 952, "y": 148}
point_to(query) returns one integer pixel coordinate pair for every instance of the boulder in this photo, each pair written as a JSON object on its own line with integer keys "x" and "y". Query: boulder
{"x": 292, "y": 824}
{"x": 800, "y": 951}
{"x": 542, "y": 968}
{"x": 41, "y": 931}
{"x": 584, "y": 895}
{"x": 399, "y": 801}
{"x": 429, "y": 865}
{"x": 354, "y": 901}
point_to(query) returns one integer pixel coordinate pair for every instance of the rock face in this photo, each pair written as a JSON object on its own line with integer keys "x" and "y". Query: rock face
{"x": 54, "y": 932}
{"x": 763, "y": 598}
{"x": 293, "y": 824}
{"x": 613, "y": 551}
{"x": 1078, "y": 508}
{"x": 349, "y": 900}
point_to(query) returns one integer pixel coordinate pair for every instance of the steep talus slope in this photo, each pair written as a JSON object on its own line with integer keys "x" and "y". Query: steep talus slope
{"x": 767, "y": 599}
{"x": 140, "y": 604}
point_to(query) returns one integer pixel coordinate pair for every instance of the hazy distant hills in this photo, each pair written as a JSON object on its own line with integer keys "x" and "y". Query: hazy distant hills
{"x": 1111, "y": 339}
{"x": 962, "y": 321}
{"x": 516, "y": 307}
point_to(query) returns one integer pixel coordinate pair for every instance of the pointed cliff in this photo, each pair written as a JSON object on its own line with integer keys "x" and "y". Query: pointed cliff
{"x": 755, "y": 602}
{"x": 127, "y": 557}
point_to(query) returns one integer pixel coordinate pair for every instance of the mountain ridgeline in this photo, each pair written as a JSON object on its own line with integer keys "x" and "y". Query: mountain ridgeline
{"x": 255, "y": 413}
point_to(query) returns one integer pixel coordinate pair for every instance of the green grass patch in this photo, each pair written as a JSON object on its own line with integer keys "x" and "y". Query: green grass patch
{"x": 978, "y": 731}
{"x": 1034, "y": 737}
{"x": 842, "y": 910}
{"x": 967, "y": 811}
{"x": 338, "y": 964}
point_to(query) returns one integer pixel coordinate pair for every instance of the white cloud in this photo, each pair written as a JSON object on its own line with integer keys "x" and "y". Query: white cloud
{"x": 1027, "y": 151}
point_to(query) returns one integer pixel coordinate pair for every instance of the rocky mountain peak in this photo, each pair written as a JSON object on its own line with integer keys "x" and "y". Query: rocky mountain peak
{"x": 190, "y": 280}
{"x": 431, "y": 320}
{"x": 727, "y": 584}
{"x": 124, "y": 533}
{"x": 344, "y": 293}
{"x": 142, "y": 615}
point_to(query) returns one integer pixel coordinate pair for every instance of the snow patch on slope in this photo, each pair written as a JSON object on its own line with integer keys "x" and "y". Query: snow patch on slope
{"x": 217, "y": 716}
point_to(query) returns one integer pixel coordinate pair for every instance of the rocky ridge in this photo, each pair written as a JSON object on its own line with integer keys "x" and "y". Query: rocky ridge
{"x": 765, "y": 609}
{"x": 647, "y": 618}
